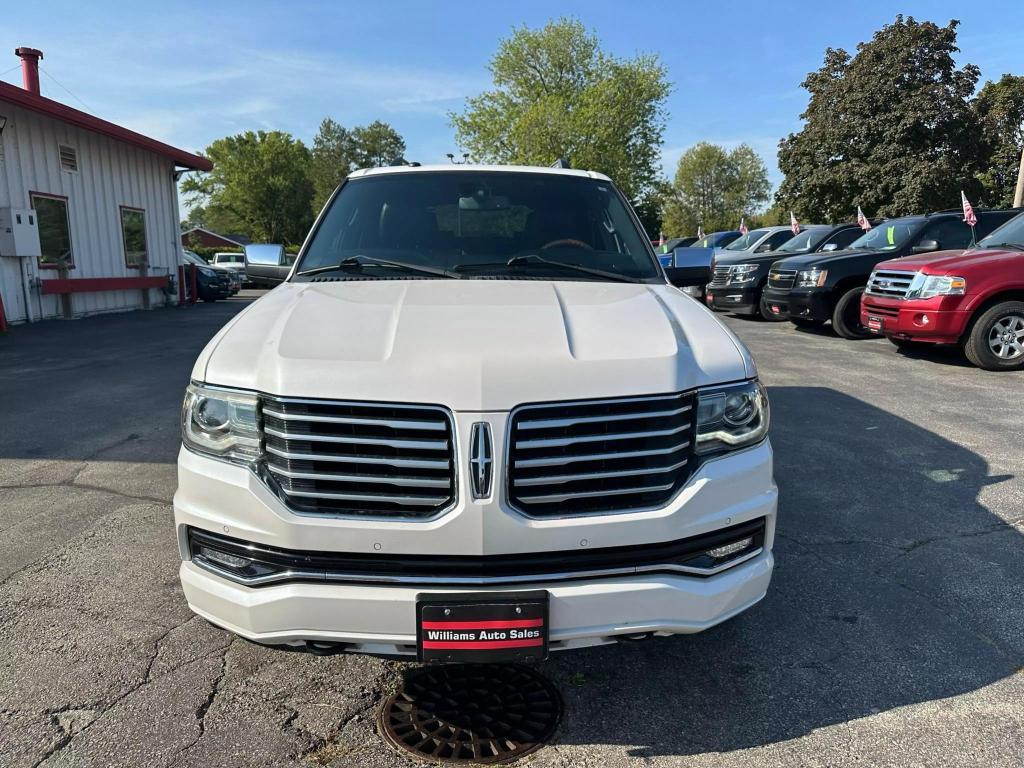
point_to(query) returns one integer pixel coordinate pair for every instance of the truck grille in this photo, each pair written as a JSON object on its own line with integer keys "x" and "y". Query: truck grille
{"x": 378, "y": 459}
{"x": 720, "y": 277}
{"x": 892, "y": 284}
{"x": 781, "y": 278}
{"x": 599, "y": 455}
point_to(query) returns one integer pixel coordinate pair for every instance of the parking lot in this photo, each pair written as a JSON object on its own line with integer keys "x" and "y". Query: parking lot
{"x": 893, "y": 633}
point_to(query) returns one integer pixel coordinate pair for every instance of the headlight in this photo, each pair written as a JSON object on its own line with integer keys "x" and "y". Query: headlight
{"x": 220, "y": 423}
{"x": 929, "y": 286}
{"x": 207, "y": 272}
{"x": 742, "y": 273}
{"x": 731, "y": 417}
{"x": 811, "y": 278}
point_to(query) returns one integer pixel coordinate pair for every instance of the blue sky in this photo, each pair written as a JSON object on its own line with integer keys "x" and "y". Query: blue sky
{"x": 188, "y": 73}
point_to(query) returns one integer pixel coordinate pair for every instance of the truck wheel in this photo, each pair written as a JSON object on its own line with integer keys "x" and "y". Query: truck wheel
{"x": 767, "y": 314}
{"x": 846, "y": 317}
{"x": 996, "y": 340}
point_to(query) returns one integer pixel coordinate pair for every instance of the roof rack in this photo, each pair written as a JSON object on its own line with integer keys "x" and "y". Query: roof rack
{"x": 561, "y": 163}
{"x": 399, "y": 160}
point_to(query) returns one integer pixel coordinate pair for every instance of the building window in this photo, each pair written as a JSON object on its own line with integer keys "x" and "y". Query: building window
{"x": 54, "y": 230}
{"x": 133, "y": 232}
{"x": 68, "y": 158}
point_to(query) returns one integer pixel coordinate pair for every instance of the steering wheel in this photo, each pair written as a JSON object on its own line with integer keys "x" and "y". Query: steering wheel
{"x": 568, "y": 241}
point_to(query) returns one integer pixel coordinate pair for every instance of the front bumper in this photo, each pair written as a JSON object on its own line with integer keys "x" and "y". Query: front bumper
{"x": 739, "y": 301}
{"x": 230, "y": 500}
{"x": 810, "y": 304}
{"x": 936, "y": 320}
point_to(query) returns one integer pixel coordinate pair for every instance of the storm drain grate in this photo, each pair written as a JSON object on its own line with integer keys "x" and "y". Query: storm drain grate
{"x": 471, "y": 713}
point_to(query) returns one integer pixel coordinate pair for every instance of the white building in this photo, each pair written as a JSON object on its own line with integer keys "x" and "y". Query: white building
{"x": 88, "y": 209}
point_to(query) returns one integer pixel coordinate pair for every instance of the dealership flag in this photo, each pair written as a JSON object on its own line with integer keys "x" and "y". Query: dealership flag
{"x": 793, "y": 223}
{"x": 862, "y": 220}
{"x": 661, "y": 239}
{"x": 743, "y": 227}
{"x": 700, "y": 231}
{"x": 969, "y": 216}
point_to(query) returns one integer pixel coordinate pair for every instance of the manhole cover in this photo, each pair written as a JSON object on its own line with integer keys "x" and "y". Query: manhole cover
{"x": 471, "y": 713}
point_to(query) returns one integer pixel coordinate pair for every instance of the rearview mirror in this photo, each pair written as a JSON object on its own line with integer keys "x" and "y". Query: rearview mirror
{"x": 926, "y": 246}
{"x": 830, "y": 247}
{"x": 763, "y": 248}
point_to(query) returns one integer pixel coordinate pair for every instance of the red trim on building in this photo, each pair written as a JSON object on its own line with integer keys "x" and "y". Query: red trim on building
{"x": 94, "y": 284}
{"x": 44, "y": 106}
{"x": 3, "y": 316}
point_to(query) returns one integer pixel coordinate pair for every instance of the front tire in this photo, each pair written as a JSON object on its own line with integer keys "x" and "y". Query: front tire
{"x": 996, "y": 340}
{"x": 846, "y": 317}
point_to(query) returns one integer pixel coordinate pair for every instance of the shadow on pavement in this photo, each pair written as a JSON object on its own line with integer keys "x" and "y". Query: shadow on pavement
{"x": 894, "y": 586}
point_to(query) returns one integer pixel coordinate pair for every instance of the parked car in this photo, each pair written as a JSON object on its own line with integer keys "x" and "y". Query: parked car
{"x": 267, "y": 265}
{"x": 716, "y": 239}
{"x": 685, "y": 261}
{"x": 212, "y": 282}
{"x": 231, "y": 260}
{"x": 826, "y": 287}
{"x": 738, "y": 279}
{"x": 475, "y": 423}
{"x": 974, "y": 299}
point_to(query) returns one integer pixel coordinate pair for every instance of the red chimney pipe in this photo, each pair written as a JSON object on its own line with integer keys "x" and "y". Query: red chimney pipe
{"x": 29, "y": 67}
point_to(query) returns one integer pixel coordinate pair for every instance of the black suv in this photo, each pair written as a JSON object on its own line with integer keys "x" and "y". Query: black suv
{"x": 738, "y": 280}
{"x": 820, "y": 287}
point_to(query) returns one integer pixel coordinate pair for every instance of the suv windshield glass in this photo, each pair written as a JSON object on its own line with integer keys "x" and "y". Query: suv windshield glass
{"x": 746, "y": 242}
{"x": 889, "y": 235}
{"x": 473, "y": 223}
{"x": 803, "y": 242}
{"x": 1011, "y": 232}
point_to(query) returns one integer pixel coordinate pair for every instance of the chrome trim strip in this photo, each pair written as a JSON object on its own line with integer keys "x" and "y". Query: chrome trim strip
{"x": 429, "y": 482}
{"x": 394, "y": 424}
{"x": 557, "y": 497}
{"x": 563, "y": 460}
{"x": 425, "y": 501}
{"x": 424, "y": 445}
{"x": 353, "y": 459}
{"x": 563, "y": 441}
{"x": 328, "y": 576}
{"x": 558, "y": 479}
{"x": 557, "y": 423}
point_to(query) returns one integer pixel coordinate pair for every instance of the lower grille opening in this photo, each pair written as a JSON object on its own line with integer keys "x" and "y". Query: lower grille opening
{"x": 259, "y": 564}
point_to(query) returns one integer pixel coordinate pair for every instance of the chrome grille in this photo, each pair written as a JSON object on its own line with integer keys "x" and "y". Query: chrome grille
{"x": 781, "y": 278}
{"x": 378, "y": 459}
{"x": 599, "y": 455}
{"x": 893, "y": 284}
{"x": 720, "y": 277}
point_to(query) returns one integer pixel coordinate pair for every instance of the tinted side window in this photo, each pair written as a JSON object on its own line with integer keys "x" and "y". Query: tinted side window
{"x": 949, "y": 233}
{"x": 988, "y": 222}
{"x": 776, "y": 239}
{"x": 843, "y": 238}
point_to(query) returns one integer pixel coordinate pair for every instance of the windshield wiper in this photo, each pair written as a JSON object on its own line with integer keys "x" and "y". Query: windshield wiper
{"x": 363, "y": 261}
{"x": 1014, "y": 246}
{"x": 533, "y": 258}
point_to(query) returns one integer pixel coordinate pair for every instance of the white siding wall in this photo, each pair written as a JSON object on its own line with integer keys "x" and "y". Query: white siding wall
{"x": 110, "y": 174}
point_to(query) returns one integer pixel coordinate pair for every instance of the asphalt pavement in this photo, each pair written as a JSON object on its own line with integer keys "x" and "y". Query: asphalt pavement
{"x": 893, "y": 633}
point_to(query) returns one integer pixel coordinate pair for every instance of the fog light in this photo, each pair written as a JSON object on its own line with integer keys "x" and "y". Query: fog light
{"x": 921, "y": 319}
{"x": 730, "y": 549}
{"x": 223, "y": 558}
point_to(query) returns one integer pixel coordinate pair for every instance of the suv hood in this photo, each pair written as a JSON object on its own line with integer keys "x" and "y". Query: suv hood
{"x": 484, "y": 345}
{"x": 748, "y": 257}
{"x": 954, "y": 262}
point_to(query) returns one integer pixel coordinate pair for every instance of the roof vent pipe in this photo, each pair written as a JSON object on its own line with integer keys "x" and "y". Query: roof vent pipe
{"x": 29, "y": 67}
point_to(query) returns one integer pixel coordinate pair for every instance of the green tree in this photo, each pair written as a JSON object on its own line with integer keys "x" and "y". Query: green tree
{"x": 714, "y": 188}
{"x": 890, "y": 128}
{"x": 557, "y": 94}
{"x": 261, "y": 180}
{"x": 999, "y": 110}
{"x": 331, "y": 160}
{"x": 376, "y": 145}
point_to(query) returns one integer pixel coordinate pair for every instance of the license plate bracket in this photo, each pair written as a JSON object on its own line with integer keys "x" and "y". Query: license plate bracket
{"x": 875, "y": 324}
{"x": 482, "y": 627}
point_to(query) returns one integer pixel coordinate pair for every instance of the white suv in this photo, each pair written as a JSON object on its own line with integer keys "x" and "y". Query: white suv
{"x": 233, "y": 261}
{"x": 475, "y": 423}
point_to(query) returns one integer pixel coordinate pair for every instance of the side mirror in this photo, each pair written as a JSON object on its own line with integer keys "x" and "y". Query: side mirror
{"x": 926, "y": 246}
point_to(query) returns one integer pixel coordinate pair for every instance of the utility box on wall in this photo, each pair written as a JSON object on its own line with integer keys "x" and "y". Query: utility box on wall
{"x": 19, "y": 233}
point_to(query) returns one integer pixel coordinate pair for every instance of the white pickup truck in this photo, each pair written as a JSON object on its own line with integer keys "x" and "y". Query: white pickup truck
{"x": 475, "y": 423}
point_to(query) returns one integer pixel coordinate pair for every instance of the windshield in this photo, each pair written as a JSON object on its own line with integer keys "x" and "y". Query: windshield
{"x": 889, "y": 235}
{"x": 747, "y": 241}
{"x": 228, "y": 258}
{"x": 805, "y": 242}
{"x": 1011, "y": 232}
{"x": 472, "y": 224}
{"x": 193, "y": 258}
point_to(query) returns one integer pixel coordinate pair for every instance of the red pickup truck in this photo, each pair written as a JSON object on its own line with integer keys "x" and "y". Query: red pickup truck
{"x": 972, "y": 298}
